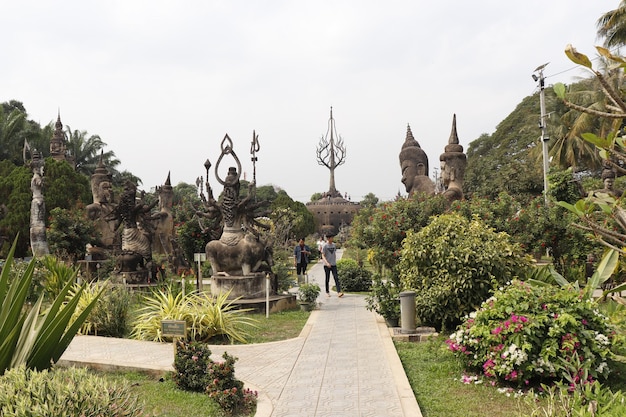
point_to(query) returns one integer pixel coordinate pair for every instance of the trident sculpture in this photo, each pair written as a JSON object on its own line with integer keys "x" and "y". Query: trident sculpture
{"x": 331, "y": 153}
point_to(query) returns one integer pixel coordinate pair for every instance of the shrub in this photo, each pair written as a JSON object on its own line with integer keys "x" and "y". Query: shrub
{"x": 109, "y": 317}
{"x": 353, "y": 277}
{"x": 308, "y": 293}
{"x": 535, "y": 333}
{"x": 383, "y": 298}
{"x": 195, "y": 371}
{"x": 71, "y": 392}
{"x": 455, "y": 264}
{"x": 206, "y": 316}
{"x": 191, "y": 363}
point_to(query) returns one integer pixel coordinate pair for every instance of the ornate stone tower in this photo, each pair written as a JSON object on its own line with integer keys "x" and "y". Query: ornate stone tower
{"x": 453, "y": 163}
{"x": 58, "y": 147}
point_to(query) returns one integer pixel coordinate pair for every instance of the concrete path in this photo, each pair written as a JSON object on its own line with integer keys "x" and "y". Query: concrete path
{"x": 343, "y": 364}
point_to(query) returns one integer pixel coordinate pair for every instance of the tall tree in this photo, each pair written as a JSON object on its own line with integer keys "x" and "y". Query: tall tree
{"x": 612, "y": 26}
{"x": 569, "y": 149}
{"x": 87, "y": 150}
{"x": 12, "y": 129}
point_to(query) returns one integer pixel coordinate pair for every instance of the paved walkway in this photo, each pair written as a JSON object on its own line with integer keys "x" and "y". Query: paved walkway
{"x": 343, "y": 364}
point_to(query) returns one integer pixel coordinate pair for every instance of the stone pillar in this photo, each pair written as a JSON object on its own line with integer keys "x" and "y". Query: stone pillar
{"x": 407, "y": 311}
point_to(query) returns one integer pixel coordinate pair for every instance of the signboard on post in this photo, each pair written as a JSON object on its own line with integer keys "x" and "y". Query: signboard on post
{"x": 174, "y": 328}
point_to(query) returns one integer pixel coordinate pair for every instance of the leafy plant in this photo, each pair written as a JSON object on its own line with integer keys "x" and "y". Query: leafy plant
{"x": 308, "y": 293}
{"x": 196, "y": 371}
{"x": 71, "y": 392}
{"x": 384, "y": 297}
{"x": 34, "y": 338}
{"x": 227, "y": 390}
{"x": 109, "y": 317}
{"x": 353, "y": 277}
{"x": 454, "y": 264}
{"x": 528, "y": 333}
{"x": 190, "y": 364}
{"x": 57, "y": 277}
{"x": 206, "y": 316}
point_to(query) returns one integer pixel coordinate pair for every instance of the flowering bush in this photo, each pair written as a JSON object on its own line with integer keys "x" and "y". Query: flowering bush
{"x": 196, "y": 371}
{"x": 530, "y": 333}
{"x": 228, "y": 391}
{"x": 191, "y": 363}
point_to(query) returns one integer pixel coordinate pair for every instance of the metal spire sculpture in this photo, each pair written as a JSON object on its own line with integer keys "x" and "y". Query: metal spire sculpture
{"x": 331, "y": 153}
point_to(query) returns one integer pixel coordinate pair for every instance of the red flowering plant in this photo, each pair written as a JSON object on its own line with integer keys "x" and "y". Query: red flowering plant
{"x": 528, "y": 334}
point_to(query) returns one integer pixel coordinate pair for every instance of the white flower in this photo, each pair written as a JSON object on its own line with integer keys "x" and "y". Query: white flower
{"x": 602, "y": 339}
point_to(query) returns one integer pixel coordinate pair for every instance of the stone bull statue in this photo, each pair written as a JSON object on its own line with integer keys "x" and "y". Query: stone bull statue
{"x": 241, "y": 258}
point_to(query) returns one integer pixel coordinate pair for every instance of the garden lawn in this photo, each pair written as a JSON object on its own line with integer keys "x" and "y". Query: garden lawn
{"x": 164, "y": 398}
{"x": 435, "y": 374}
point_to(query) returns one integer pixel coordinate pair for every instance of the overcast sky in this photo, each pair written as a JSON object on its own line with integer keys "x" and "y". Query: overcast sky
{"x": 162, "y": 82}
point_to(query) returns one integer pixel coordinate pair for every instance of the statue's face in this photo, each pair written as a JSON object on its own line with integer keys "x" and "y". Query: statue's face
{"x": 104, "y": 192}
{"x": 409, "y": 171}
{"x": 608, "y": 183}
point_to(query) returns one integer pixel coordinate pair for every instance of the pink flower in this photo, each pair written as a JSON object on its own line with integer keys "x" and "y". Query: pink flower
{"x": 497, "y": 330}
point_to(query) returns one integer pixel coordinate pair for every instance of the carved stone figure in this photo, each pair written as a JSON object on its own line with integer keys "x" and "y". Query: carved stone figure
{"x": 608, "y": 178}
{"x": 239, "y": 250}
{"x": 453, "y": 163}
{"x": 100, "y": 210}
{"x": 164, "y": 220}
{"x": 414, "y": 165}
{"x": 38, "y": 240}
{"x": 136, "y": 257}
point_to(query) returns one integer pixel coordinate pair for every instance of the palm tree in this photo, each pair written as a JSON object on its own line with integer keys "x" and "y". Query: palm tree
{"x": 569, "y": 149}
{"x": 612, "y": 26}
{"x": 12, "y": 128}
{"x": 87, "y": 151}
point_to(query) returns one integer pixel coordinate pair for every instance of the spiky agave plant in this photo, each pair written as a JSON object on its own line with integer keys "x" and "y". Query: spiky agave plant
{"x": 34, "y": 338}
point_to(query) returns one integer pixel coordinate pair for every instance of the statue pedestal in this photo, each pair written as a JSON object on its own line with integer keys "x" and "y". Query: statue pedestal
{"x": 132, "y": 277}
{"x": 242, "y": 286}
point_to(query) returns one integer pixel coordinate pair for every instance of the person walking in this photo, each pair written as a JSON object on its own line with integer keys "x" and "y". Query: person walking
{"x": 301, "y": 259}
{"x": 329, "y": 257}
{"x": 320, "y": 245}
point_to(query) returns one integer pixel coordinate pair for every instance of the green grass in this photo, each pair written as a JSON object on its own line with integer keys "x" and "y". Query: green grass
{"x": 164, "y": 399}
{"x": 278, "y": 326}
{"x": 432, "y": 370}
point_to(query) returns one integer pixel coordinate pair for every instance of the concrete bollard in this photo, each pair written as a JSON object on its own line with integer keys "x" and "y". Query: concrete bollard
{"x": 407, "y": 311}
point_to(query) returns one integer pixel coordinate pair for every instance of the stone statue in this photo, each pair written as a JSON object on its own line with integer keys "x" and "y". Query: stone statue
{"x": 135, "y": 261}
{"x": 608, "y": 178}
{"x": 164, "y": 221}
{"x": 38, "y": 240}
{"x": 100, "y": 210}
{"x": 239, "y": 251}
{"x": 414, "y": 165}
{"x": 453, "y": 163}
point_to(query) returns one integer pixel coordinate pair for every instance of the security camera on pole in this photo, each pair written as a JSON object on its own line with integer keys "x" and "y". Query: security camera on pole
{"x": 542, "y": 125}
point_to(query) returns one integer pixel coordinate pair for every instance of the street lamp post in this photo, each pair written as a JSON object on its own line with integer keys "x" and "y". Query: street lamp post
{"x": 543, "y": 126}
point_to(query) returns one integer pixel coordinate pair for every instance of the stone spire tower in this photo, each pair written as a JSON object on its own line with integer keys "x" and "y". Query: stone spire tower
{"x": 453, "y": 163}
{"x": 58, "y": 146}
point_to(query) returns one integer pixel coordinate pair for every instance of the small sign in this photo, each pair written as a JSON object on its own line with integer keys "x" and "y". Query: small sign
{"x": 199, "y": 257}
{"x": 174, "y": 328}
